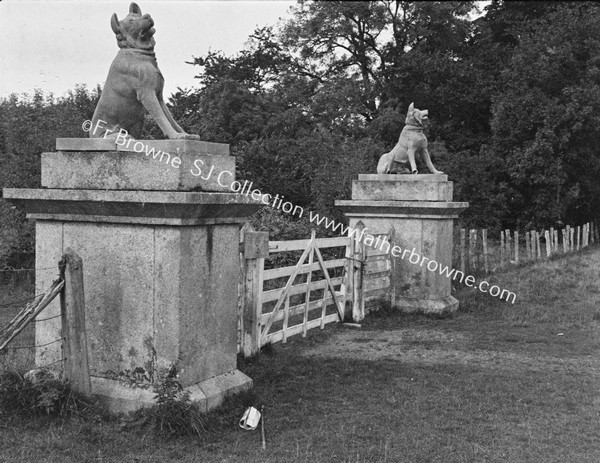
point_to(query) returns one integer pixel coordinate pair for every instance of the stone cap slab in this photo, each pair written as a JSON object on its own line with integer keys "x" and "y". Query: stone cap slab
{"x": 404, "y": 177}
{"x": 402, "y": 190}
{"x": 144, "y": 207}
{"x": 402, "y": 209}
{"x": 174, "y": 147}
{"x": 128, "y": 170}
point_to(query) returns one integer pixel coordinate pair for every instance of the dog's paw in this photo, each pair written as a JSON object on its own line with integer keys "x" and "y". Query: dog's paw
{"x": 415, "y": 171}
{"x": 187, "y": 136}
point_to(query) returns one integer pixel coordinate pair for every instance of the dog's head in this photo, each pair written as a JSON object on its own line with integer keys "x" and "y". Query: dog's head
{"x": 135, "y": 30}
{"x": 416, "y": 117}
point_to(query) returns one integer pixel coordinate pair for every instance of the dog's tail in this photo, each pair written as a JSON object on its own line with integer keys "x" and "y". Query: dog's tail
{"x": 385, "y": 163}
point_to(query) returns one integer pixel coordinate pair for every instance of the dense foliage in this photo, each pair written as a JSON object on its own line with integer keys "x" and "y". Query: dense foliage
{"x": 513, "y": 97}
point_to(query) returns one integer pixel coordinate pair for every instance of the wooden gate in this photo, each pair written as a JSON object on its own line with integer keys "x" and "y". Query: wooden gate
{"x": 284, "y": 301}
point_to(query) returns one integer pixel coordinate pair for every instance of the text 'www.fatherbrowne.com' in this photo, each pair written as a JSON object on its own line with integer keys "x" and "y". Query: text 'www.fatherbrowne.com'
{"x": 225, "y": 179}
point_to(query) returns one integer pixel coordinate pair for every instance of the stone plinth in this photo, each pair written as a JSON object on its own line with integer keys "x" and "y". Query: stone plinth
{"x": 161, "y": 268}
{"x": 421, "y": 210}
{"x": 96, "y": 163}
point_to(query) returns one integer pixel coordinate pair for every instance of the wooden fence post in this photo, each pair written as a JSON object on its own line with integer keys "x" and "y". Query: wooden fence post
{"x": 507, "y": 243}
{"x": 578, "y": 236}
{"x": 392, "y": 267}
{"x": 463, "y": 234}
{"x": 358, "y": 300}
{"x": 313, "y": 236}
{"x": 485, "y": 251}
{"x": 555, "y": 241}
{"x": 586, "y": 234}
{"x": 565, "y": 242}
{"x": 72, "y": 308}
{"x": 501, "y": 249}
{"x": 472, "y": 240}
{"x": 548, "y": 244}
{"x": 516, "y": 247}
{"x": 527, "y": 245}
{"x": 254, "y": 252}
{"x": 552, "y": 240}
{"x": 537, "y": 244}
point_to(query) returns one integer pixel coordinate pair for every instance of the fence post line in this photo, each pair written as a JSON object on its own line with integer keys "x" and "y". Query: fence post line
{"x": 252, "y": 303}
{"x": 527, "y": 245}
{"x": 485, "y": 250}
{"x": 537, "y": 244}
{"x": 548, "y": 244}
{"x": 358, "y": 300}
{"x": 564, "y": 238}
{"x": 555, "y": 241}
{"x": 72, "y": 309}
{"x": 578, "y": 236}
{"x": 568, "y": 232}
{"x": 516, "y": 247}
{"x": 463, "y": 238}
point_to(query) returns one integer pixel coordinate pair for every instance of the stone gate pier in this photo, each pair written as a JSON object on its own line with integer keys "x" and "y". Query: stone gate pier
{"x": 159, "y": 240}
{"x": 421, "y": 210}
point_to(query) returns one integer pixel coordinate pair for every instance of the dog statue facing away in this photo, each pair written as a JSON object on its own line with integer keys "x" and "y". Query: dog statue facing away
{"x": 412, "y": 142}
{"x": 134, "y": 84}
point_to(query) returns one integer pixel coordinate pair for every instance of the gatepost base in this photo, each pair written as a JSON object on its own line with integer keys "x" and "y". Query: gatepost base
{"x": 119, "y": 397}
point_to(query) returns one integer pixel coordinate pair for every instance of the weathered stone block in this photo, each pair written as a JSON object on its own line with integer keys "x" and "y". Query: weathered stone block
{"x": 127, "y": 170}
{"x": 401, "y": 189}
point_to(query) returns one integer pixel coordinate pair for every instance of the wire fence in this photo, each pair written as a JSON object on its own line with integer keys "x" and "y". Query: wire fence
{"x": 18, "y": 307}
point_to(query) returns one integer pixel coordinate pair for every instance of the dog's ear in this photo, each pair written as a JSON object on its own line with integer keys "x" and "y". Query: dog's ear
{"x": 411, "y": 107}
{"x": 114, "y": 24}
{"x": 134, "y": 8}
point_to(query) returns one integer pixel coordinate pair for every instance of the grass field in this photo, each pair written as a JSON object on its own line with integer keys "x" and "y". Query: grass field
{"x": 498, "y": 382}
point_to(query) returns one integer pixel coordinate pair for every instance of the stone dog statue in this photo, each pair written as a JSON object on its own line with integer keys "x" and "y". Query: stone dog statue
{"x": 134, "y": 84}
{"x": 412, "y": 142}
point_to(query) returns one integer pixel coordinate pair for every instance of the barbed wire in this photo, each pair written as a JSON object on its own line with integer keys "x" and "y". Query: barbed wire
{"x": 46, "y": 319}
{"x": 21, "y": 301}
{"x": 34, "y": 346}
{"x": 12, "y": 269}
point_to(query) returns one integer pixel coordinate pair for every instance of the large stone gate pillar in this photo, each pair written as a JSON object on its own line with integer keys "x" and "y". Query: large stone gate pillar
{"x": 159, "y": 239}
{"x": 420, "y": 209}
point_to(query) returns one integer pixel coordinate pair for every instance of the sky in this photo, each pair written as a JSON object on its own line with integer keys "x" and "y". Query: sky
{"x": 54, "y": 45}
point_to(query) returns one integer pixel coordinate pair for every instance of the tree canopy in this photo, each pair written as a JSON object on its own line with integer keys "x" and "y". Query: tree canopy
{"x": 513, "y": 94}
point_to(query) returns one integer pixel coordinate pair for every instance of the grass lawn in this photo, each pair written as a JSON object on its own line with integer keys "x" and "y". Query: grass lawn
{"x": 498, "y": 382}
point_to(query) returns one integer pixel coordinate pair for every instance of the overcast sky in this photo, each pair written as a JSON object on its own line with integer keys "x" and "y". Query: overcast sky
{"x": 53, "y": 45}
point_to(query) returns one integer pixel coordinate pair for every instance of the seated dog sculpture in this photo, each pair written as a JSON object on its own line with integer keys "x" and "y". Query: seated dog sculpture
{"x": 134, "y": 84}
{"x": 412, "y": 142}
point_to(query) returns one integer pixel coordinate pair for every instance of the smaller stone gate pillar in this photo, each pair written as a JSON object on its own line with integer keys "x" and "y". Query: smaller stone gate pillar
{"x": 421, "y": 210}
